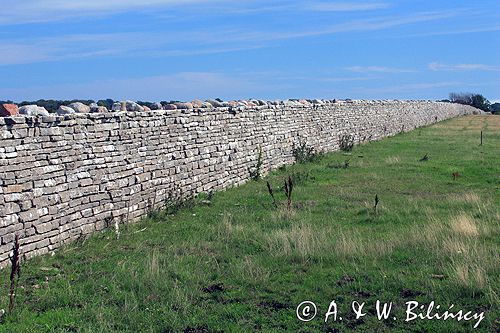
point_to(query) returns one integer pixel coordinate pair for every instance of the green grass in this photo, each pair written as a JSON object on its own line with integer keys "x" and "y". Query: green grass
{"x": 240, "y": 265}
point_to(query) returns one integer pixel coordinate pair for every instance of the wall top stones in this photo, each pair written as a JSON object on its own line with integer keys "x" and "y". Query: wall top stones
{"x": 274, "y": 105}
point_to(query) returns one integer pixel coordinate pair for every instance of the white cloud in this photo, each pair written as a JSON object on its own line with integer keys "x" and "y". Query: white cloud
{"x": 67, "y": 47}
{"x": 112, "y": 44}
{"x": 455, "y": 32}
{"x": 33, "y": 11}
{"x": 346, "y": 6}
{"x": 378, "y": 69}
{"x": 178, "y": 86}
{"x": 255, "y": 6}
{"x": 99, "y": 5}
{"x": 30, "y": 50}
{"x": 409, "y": 88}
{"x": 436, "y": 66}
{"x": 372, "y": 24}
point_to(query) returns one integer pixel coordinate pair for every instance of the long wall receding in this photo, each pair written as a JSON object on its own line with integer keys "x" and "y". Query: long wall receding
{"x": 64, "y": 177}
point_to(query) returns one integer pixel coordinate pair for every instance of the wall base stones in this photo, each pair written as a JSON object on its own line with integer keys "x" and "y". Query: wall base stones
{"x": 62, "y": 177}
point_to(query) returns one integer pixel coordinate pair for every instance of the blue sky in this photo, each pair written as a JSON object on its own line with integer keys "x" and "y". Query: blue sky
{"x": 180, "y": 50}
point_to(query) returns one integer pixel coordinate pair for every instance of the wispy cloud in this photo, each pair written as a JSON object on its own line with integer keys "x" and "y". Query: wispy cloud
{"x": 99, "y": 5}
{"x": 68, "y": 47}
{"x": 346, "y": 6}
{"x": 182, "y": 86}
{"x": 33, "y": 11}
{"x": 358, "y": 25}
{"x": 112, "y": 44}
{"x": 347, "y": 79}
{"x": 36, "y": 11}
{"x": 256, "y": 6}
{"x": 469, "y": 30}
{"x": 436, "y": 66}
{"x": 378, "y": 69}
{"x": 409, "y": 88}
{"x": 195, "y": 42}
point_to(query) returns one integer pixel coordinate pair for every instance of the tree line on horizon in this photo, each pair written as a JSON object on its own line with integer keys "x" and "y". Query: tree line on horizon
{"x": 475, "y": 100}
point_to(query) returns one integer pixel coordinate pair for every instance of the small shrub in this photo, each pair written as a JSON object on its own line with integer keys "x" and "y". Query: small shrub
{"x": 176, "y": 200}
{"x": 302, "y": 177}
{"x": 255, "y": 172}
{"x": 152, "y": 210}
{"x": 346, "y": 142}
{"x": 303, "y": 153}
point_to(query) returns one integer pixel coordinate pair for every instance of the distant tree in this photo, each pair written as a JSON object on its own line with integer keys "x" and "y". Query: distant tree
{"x": 495, "y": 108}
{"x": 108, "y": 103}
{"x": 50, "y": 105}
{"x": 472, "y": 99}
{"x": 148, "y": 104}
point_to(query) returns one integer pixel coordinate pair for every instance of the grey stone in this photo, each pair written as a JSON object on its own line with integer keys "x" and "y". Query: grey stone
{"x": 133, "y": 106}
{"x": 99, "y": 109}
{"x": 157, "y": 106}
{"x": 184, "y": 106}
{"x": 33, "y": 110}
{"x": 80, "y": 107}
{"x": 214, "y": 103}
{"x": 63, "y": 110}
{"x": 116, "y": 106}
{"x": 170, "y": 107}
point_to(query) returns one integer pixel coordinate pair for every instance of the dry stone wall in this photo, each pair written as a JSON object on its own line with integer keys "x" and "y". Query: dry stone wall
{"x": 62, "y": 177}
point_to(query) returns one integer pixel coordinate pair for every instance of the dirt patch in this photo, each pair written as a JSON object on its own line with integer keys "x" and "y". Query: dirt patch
{"x": 214, "y": 288}
{"x": 345, "y": 280}
{"x": 408, "y": 293}
{"x": 273, "y": 305}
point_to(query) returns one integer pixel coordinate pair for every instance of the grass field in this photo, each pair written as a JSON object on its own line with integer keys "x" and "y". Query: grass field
{"x": 238, "y": 264}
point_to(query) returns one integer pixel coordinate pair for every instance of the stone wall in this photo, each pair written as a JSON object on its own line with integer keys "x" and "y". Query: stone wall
{"x": 67, "y": 176}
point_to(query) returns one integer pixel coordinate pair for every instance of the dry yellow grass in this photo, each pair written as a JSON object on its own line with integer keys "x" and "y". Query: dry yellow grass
{"x": 472, "y": 123}
{"x": 465, "y": 225}
{"x": 153, "y": 264}
{"x": 469, "y": 197}
{"x": 392, "y": 160}
{"x": 283, "y": 214}
{"x": 226, "y": 228}
{"x": 299, "y": 240}
{"x": 353, "y": 245}
{"x": 304, "y": 241}
{"x": 469, "y": 275}
{"x": 460, "y": 243}
{"x": 255, "y": 272}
